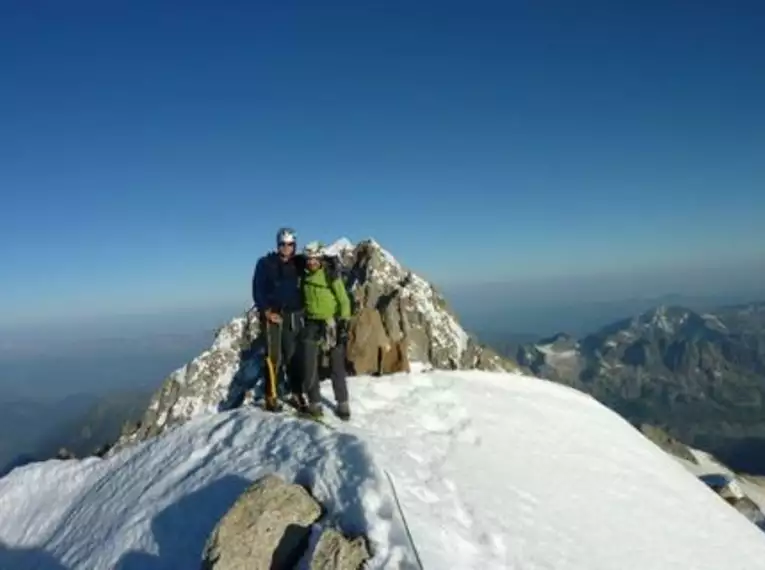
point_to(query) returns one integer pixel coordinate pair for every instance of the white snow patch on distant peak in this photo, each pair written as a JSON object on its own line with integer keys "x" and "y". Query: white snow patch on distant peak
{"x": 340, "y": 246}
{"x": 549, "y": 350}
{"x": 661, "y": 319}
{"x": 714, "y": 320}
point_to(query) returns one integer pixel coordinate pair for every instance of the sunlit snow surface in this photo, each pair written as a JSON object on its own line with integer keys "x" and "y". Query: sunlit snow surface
{"x": 492, "y": 471}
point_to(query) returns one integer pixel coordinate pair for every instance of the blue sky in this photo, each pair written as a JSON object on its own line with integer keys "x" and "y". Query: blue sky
{"x": 149, "y": 150}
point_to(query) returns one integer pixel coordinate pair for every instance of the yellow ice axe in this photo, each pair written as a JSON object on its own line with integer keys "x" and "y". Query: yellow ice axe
{"x": 271, "y": 392}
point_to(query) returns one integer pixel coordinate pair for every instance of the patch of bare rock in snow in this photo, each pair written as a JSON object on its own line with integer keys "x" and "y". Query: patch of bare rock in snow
{"x": 279, "y": 520}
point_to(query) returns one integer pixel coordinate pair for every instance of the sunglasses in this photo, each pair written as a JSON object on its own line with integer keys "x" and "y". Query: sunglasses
{"x": 284, "y": 243}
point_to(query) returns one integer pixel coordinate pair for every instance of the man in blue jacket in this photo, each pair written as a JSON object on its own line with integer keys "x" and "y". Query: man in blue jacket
{"x": 277, "y": 296}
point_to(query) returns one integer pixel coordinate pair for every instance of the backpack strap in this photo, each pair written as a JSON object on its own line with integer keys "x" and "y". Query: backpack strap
{"x": 332, "y": 267}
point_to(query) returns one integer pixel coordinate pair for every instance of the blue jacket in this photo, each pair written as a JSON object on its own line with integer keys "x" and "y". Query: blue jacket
{"x": 276, "y": 283}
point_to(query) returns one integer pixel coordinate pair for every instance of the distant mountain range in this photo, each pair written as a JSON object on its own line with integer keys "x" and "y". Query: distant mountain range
{"x": 699, "y": 375}
{"x": 497, "y": 319}
{"x": 80, "y": 423}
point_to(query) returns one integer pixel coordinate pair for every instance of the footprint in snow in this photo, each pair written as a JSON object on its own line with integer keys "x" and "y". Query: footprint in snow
{"x": 372, "y": 405}
{"x": 494, "y": 542}
{"x": 199, "y": 453}
{"x": 423, "y": 474}
{"x": 462, "y": 516}
{"x": 389, "y": 391}
{"x": 433, "y": 424}
{"x": 220, "y": 432}
{"x": 425, "y": 495}
{"x": 422, "y": 381}
{"x": 469, "y": 436}
{"x": 419, "y": 459}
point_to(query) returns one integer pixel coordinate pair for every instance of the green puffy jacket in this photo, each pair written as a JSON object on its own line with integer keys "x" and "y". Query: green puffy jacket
{"x": 323, "y": 300}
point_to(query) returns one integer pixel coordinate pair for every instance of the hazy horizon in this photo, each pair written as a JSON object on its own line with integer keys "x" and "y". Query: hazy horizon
{"x": 733, "y": 278}
{"x": 513, "y": 304}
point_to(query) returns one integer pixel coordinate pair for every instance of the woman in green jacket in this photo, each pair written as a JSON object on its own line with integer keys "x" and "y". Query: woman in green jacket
{"x": 327, "y": 313}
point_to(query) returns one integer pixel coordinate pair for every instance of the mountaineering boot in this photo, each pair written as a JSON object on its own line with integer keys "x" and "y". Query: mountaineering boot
{"x": 299, "y": 402}
{"x": 343, "y": 411}
{"x": 315, "y": 410}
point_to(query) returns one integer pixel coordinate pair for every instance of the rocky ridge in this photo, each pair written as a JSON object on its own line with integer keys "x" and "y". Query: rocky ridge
{"x": 277, "y": 525}
{"x": 393, "y": 307}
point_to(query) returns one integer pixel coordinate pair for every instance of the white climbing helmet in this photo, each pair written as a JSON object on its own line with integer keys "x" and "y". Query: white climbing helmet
{"x": 285, "y": 235}
{"x": 313, "y": 249}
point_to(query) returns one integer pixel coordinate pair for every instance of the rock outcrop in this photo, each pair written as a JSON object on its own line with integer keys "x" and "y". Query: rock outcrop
{"x": 666, "y": 442}
{"x": 65, "y": 454}
{"x": 405, "y": 319}
{"x": 334, "y": 551}
{"x": 750, "y": 510}
{"x": 399, "y": 319}
{"x": 728, "y": 487}
{"x": 269, "y": 528}
{"x": 365, "y": 340}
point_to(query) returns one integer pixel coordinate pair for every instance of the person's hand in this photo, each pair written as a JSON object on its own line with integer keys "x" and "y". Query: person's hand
{"x": 273, "y": 317}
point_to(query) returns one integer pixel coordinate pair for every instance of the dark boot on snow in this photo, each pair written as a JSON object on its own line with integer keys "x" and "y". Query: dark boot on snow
{"x": 315, "y": 410}
{"x": 343, "y": 411}
{"x": 299, "y": 402}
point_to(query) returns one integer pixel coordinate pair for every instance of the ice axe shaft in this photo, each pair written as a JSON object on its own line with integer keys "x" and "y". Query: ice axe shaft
{"x": 271, "y": 382}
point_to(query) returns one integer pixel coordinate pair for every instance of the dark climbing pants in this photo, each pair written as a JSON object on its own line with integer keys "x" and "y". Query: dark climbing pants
{"x": 311, "y": 354}
{"x": 281, "y": 348}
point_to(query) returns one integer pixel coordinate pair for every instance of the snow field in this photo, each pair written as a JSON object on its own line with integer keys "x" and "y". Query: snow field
{"x": 492, "y": 471}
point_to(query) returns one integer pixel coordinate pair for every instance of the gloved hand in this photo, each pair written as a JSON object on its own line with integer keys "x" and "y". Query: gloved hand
{"x": 273, "y": 316}
{"x": 342, "y": 331}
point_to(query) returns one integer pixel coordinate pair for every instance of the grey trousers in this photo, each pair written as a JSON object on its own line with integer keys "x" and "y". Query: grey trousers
{"x": 310, "y": 351}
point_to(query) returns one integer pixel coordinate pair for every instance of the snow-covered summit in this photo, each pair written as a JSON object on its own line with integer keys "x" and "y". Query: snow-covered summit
{"x": 340, "y": 246}
{"x": 491, "y": 471}
{"x": 217, "y": 378}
